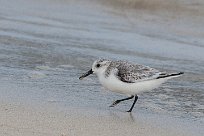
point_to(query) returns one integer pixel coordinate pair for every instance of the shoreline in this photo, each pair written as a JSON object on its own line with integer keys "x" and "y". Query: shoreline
{"x": 46, "y": 45}
{"x": 21, "y": 119}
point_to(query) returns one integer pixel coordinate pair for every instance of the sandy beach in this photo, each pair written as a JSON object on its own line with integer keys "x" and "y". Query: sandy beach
{"x": 45, "y": 45}
{"x": 21, "y": 120}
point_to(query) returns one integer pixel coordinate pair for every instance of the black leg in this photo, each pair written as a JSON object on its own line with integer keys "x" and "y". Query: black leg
{"x": 136, "y": 97}
{"x": 118, "y": 101}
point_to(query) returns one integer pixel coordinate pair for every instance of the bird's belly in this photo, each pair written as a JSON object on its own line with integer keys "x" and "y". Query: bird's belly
{"x": 115, "y": 85}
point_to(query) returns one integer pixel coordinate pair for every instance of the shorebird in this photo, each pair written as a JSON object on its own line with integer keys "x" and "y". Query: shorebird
{"x": 127, "y": 78}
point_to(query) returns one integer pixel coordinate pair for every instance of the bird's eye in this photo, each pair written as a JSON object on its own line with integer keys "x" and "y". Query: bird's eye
{"x": 98, "y": 65}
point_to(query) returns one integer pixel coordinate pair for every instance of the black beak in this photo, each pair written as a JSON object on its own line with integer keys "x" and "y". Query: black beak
{"x": 86, "y": 74}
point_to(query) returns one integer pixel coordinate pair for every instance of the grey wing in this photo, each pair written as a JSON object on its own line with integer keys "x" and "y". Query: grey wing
{"x": 131, "y": 73}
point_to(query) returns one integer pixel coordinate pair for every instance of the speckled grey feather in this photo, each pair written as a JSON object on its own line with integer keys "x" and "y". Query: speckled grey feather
{"x": 131, "y": 73}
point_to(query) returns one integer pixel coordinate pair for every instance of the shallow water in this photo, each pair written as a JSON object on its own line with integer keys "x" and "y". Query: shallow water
{"x": 46, "y": 45}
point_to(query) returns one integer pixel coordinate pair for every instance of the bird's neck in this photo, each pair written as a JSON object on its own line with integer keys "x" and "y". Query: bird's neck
{"x": 101, "y": 74}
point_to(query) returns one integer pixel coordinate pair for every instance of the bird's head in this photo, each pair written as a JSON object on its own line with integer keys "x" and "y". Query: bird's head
{"x": 98, "y": 66}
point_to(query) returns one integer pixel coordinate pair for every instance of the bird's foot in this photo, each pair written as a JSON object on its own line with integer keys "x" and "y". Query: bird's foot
{"x": 114, "y": 103}
{"x": 129, "y": 111}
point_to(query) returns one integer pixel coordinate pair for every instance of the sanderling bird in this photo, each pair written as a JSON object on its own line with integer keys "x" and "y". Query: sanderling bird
{"x": 127, "y": 78}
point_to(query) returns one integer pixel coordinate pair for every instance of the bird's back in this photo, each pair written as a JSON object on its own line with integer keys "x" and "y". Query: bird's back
{"x": 131, "y": 73}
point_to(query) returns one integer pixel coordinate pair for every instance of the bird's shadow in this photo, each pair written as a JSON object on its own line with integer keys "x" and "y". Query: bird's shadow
{"x": 123, "y": 116}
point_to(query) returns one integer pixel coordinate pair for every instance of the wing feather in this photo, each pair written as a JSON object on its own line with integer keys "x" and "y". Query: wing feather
{"x": 132, "y": 73}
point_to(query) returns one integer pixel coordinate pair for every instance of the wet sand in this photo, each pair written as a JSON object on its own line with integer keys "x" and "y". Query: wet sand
{"x": 22, "y": 120}
{"x": 45, "y": 45}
